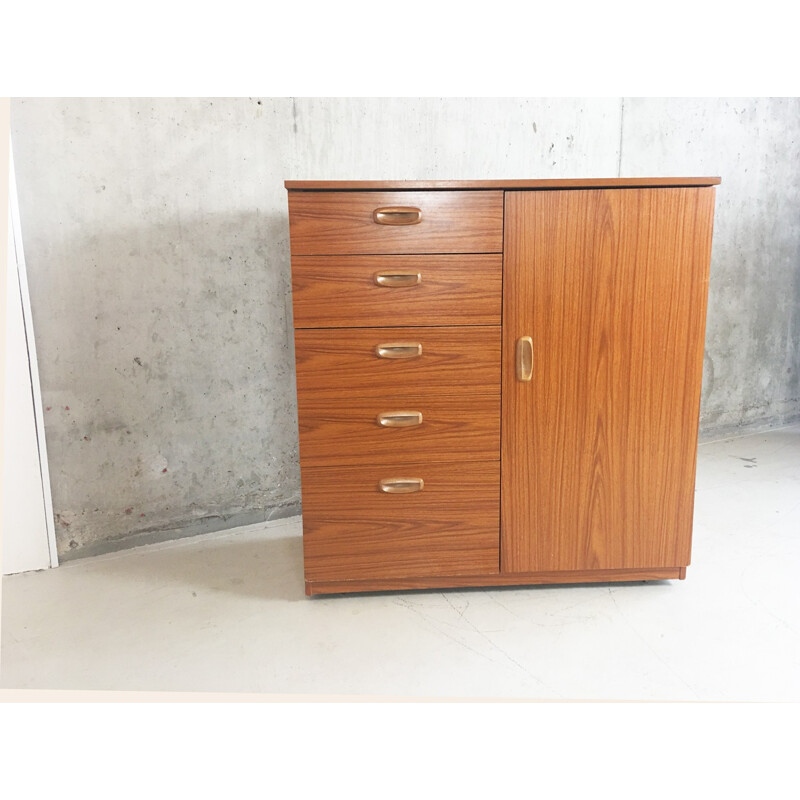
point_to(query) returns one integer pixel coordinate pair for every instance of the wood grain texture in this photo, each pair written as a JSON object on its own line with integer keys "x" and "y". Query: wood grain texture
{"x": 517, "y": 183}
{"x": 334, "y": 223}
{"x": 599, "y": 449}
{"x": 521, "y": 579}
{"x": 345, "y": 431}
{"x": 340, "y": 291}
{"x": 352, "y": 530}
{"x": 342, "y": 363}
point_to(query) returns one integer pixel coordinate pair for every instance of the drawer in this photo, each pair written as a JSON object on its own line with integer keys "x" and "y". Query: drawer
{"x": 333, "y": 223}
{"x": 352, "y": 529}
{"x": 367, "y": 291}
{"x": 412, "y": 428}
{"x": 343, "y": 363}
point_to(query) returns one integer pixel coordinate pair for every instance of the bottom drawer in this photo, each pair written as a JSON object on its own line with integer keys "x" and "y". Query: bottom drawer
{"x": 352, "y": 529}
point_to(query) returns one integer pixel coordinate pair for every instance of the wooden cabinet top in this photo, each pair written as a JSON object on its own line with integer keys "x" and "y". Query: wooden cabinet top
{"x": 534, "y": 183}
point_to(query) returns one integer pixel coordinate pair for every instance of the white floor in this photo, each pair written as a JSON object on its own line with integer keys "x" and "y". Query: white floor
{"x": 227, "y": 613}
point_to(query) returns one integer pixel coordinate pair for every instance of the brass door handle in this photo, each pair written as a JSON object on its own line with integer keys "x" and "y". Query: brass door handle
{"x": 399, "y": 350}
{"x": 524, "y": 358}
{"x": 399, "y": 419}
{"x": 392, "y": 279}
{"x": 401, "y": 485}
{"x": 397, "y": 215}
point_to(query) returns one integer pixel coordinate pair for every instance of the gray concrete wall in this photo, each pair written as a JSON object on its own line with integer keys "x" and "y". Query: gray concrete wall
{"x": 156, "y": 239}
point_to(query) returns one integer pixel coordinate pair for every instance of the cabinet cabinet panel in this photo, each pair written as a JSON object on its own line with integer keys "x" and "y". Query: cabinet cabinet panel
{"x": 354, "y": 530}
{"x": 344, "y": 363}
{"x": 373, "y": 291}
{"x": 599, "y": 446}
{"x": 333, "y": 223}
{"x": 398, "y": 428}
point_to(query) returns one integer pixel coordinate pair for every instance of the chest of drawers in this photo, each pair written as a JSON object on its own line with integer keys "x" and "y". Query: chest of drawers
{"x": 498, "y": 383}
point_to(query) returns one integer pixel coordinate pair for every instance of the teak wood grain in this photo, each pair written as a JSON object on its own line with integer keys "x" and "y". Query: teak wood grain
{"x": 342, "y": 363}
{"x": 514, "y": 183}
{"x": 345, "y": 431}
{"x": 518, "y": 579}
{"x": 353, "y": 530}
{"x": 337, "y": 223}
{"x": 599, "y": 448}
{"x": 341, "y": 291}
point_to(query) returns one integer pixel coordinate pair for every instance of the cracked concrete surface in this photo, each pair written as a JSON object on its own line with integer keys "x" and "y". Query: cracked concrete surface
{"x": 226, "y": 612}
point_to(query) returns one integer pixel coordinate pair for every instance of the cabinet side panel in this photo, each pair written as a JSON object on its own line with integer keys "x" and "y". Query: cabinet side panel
{"x": 599, "y": 448}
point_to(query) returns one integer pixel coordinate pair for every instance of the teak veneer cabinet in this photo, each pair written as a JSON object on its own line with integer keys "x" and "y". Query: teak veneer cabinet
{"x": 498, "y": 382}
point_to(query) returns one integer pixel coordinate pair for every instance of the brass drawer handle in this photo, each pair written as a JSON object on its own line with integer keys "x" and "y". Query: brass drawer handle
{"x": 401, "y": 485}
{"x": 524, "y": 358}
{"x": 392, "y": 279}
{"x": 399, "y": 350}
{"x": 397, "y": 215}
{"x": 399, "y": 419}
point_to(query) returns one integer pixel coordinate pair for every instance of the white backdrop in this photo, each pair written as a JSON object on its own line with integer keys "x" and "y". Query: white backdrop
{"x": 26, "y": 541}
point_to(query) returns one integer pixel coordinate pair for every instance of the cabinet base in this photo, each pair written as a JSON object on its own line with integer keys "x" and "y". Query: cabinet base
{"x": 497, "y": 579}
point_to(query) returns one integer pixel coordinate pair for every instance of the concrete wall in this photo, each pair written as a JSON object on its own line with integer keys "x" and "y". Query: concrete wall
{"x": 156, "y": 238}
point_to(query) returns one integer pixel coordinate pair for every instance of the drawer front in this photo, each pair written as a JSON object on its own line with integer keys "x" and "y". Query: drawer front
{"x": 398, "y": 429}
{"x": 353, "y": 529}
{"x": 343, "y": 363}
{"x": 367, "y": 291}
{"x": 333, "y": 223}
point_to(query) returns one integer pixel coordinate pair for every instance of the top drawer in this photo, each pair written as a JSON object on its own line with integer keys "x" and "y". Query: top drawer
{"x": 338, "y": 223}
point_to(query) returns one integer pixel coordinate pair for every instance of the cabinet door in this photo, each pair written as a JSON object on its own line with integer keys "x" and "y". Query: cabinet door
{"x": 599, "y": 446}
